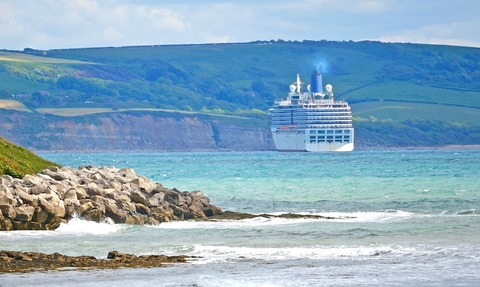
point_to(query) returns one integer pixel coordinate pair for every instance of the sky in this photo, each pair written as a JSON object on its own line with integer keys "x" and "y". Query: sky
{"x": 59, "y": 24}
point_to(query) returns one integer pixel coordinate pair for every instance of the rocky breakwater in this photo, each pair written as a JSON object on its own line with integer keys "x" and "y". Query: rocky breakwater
{"x": 55, "y": 195}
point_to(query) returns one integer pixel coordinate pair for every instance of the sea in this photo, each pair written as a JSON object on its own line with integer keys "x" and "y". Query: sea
{"x": 396, "y": 218}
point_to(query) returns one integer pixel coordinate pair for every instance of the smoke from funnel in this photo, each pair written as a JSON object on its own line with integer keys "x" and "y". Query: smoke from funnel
{"x": 321, "y": 65}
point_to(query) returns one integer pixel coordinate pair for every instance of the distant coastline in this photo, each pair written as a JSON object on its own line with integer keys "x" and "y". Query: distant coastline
{"x": 446, "y": 147}
{"x": 363, "y": 148}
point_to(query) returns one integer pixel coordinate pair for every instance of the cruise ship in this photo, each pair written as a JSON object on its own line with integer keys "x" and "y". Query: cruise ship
{"x": 313, "y": 120}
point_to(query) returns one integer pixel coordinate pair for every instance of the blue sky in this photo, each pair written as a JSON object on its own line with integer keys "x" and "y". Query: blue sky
{"x": 52, "y": 24}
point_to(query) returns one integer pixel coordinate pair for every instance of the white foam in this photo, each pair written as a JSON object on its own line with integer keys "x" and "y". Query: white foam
{"x": 358, "y": 216}
{"x": 211, "y": 254}
{"x": 74, "y": 226}
{"x": 262, "y": 221}
{"x": 466, "y": 212}
{"x": 370, "y": 216}
{"x": 81, "y": 226}
{"x": 231, "y": 224}
{"x": 215, "y": 281}
{"x": 26, "y": 233}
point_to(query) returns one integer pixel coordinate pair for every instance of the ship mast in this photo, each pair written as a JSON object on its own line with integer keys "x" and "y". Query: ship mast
{"x": 298, "y": 84}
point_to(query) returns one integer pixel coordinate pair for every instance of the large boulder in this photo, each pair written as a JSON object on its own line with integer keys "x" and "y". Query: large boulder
{"x": 6, "y": 197}
{"x": 138, "y": 197}
{"x": 24, "y": 213}
{"x": 27, "y": 198}
{"x": 112, "y": 211}
{"x": 144, "y": 184}
{"x": 40, "y": 215}
{"x": 8, "y": 211}
{"x": 174, "y": 196}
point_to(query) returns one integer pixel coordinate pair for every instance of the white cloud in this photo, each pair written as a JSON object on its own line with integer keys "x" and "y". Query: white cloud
{"x": 456, "y": 33}
{"x": 161, "y": 19}
{"x": 45, "y": 24}
{"x": 111, "y": 34}
{"x": 321, "y": 8}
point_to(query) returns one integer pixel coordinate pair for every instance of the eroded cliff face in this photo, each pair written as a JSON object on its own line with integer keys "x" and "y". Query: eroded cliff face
{"x": 134, "y": 131}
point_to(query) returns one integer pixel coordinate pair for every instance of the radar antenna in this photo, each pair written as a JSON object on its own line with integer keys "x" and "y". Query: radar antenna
{"x": 329, "y": 90}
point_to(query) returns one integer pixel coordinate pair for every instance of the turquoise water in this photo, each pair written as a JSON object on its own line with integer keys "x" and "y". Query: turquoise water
{"x": 403, "y": 218}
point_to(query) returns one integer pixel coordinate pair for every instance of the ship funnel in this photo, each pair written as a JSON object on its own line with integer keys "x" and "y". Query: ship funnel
{"x": 316, "y": 82}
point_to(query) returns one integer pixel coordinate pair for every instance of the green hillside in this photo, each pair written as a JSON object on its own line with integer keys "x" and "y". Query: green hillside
{"x": 386, "y": 81}
{"x": 17, "y": 161}
{"x": 231, "y": 77}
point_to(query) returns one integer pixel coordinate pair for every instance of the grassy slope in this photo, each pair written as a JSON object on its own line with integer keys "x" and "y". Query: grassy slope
{"x": 276, "y": 64}
{"x": 27, "y": 73}
{"x": 403, "y": 111}
{"x": 353, "y": 69}
{"x": 18, "y": 161}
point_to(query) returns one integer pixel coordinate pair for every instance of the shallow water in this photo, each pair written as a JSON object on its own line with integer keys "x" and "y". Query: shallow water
{"x": 403, "y": 218}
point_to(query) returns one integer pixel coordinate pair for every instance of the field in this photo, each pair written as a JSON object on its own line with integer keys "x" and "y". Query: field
{"x": 29, "y": 58}
{"x": 396, "y": 90}
{"x": 74, "y": 112}
{"x": 399, "y": 111}
{"x": 22, "y": 73}
{"x": 13, "y": 105}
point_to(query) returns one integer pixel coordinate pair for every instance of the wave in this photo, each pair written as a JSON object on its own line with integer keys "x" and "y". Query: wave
{"x": 272, "y": 221}
{"x": 367, "y": 216}
{"x": 466, "y": 212}
{"x": 211, "y": 254}
{"x": 81, "y": 226}
{"x": 73, "y": 226}
{"x": 214, "y": 281}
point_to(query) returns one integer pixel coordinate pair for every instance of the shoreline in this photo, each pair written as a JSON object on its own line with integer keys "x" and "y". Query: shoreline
{"x": 446, "y": 147}
{"x": 363, "y": 148}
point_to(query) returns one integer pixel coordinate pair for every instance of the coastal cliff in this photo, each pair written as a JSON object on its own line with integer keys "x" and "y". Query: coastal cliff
{"x": 148, "y": 131}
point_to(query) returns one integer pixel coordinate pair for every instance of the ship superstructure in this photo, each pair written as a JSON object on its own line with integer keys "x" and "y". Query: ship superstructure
{"x": 312, "y": 120}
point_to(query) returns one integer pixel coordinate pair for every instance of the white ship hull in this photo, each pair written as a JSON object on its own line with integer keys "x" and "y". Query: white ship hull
{"x": 330, "y": 147}
{"x": 292, "y": 142}
{"x": 289, "y": 141}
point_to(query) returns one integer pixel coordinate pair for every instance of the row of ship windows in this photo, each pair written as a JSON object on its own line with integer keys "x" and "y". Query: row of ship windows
{"x": 298, "y": 118}
{"x": 288, "y": 122}
{"x": 345, "y": 114}
{"x": 312, "y": 124}
{"x": 330, "y": 141}
{"x": 333, "y": 117}
{"x": 298, "y": 132}
{"x": 311, "y": 110}
{"x": 330, "y": 121}
{"x": 315, "y": 108}
{"x": 345, "y": 137}
{"x": 345, "y": 118}
{"x": 328, "y": 132}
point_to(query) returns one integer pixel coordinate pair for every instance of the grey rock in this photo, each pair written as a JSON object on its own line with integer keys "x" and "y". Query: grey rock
{"x": 8, "y": 211}
{"x": 24, "y": 213}
{"x": 137, "y": 196}
{"x": 27, "y": 198}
